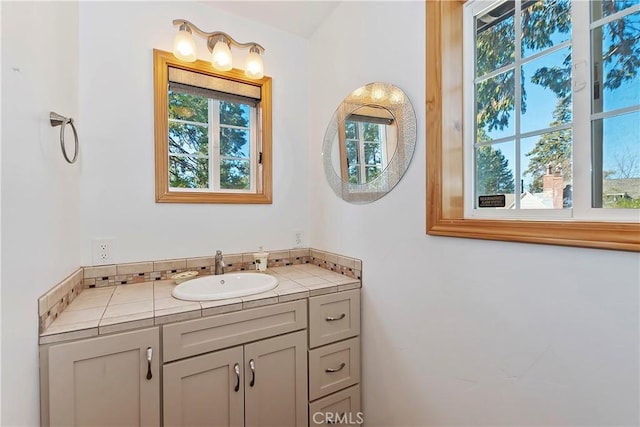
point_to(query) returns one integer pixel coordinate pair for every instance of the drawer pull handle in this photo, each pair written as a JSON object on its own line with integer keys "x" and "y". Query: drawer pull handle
{"x": 236, "y": 368}
{"x": 342, "y": 365}
{"x": 331, "y": 319}
{"x": 252, "y": 366}
{"x": 149, "y": 358}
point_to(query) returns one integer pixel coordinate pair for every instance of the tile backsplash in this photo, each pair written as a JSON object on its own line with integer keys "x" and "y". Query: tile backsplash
{"x": 61, "y": 295}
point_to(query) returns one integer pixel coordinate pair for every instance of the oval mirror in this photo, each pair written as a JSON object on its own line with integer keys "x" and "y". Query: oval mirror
{"x": 369, "y": 142}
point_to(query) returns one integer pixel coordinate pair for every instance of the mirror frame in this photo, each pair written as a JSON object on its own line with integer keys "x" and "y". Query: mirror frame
{"x": 161, "y": 62}
{"x": 405, "y": 118}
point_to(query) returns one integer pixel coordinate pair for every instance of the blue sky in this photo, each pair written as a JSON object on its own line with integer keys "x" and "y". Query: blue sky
{"x": 621, "y": 133}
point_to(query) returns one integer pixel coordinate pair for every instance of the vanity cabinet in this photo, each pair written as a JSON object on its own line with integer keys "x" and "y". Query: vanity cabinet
{"x": 260, "y": 383}
{"x": 334, "y": 359}
{"x": 102, "y": 381}
{"x": 288, "y": 364}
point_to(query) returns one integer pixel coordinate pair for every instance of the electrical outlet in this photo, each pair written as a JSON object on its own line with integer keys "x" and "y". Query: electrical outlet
{"x": 298, "y": 238}
{"x": 103, "y": 251}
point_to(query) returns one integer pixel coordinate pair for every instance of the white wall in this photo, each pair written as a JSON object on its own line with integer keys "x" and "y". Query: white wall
{"x": 93, "y": 61}
{"x": 460, "y": 331}
{"x": 116, "y": 104}
{"x": 40, "y": 191}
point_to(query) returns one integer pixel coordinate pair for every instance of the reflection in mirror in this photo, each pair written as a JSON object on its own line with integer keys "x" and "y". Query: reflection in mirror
{"x": 369, "y": 142}
{"x": 368, "y": 136}
{"x": 213, "y": 134}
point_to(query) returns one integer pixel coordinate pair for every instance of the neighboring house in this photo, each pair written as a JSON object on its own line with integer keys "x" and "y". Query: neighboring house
{"x": 616, "y": 189}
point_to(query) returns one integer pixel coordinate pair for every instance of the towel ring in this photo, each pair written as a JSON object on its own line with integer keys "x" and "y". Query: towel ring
{"x": 58, "y": 120}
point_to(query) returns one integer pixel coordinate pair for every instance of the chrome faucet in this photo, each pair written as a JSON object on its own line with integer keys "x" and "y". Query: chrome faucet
{"x": 219, "y": 263}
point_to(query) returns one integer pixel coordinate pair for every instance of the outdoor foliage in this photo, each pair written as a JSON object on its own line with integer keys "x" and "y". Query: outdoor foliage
{"x": 493, "y": 173}
{"x": 189, "y": 143}
{"x": 543, "y": 23}
{"x": 371, "y": 139}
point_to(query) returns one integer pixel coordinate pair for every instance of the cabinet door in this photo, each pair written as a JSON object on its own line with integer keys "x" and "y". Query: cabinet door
{"x": 276, "y": 381}
{"x": 103, "y": 381}
{"x": 205, "y": 390}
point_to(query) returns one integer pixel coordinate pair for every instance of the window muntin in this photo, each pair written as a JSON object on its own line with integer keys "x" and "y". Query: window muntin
{"x": 445, "y": 153}
{"x": 366, "y": 144}
{"x": 523, "y": 93}
{"x": 196, "y": 158}
{"x": 214, "y": 150}
{"x": 615, "y": 104}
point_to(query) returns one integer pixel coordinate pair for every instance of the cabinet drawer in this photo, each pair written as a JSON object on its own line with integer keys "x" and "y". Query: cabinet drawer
{"x": 334, "y": 317}
{"x": 199, "y": 336}
{"x": 334, "y": 367}
{"x": 339, "y": 409}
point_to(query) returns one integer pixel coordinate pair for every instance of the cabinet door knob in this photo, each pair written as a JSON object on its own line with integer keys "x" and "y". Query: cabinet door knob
{"x": 252, "y": 366}
{"x": 236, "y": 368}
{"x": 149, "y": 358}
{"x": 330, "y": 370}
{"x": 331, "y": 319}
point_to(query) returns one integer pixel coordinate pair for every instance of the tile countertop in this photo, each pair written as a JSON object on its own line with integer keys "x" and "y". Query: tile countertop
{"x": 98, "y": 311}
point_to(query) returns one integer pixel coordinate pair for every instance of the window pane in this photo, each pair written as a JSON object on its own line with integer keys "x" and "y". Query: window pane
{"x": 192, "y": 108}
{"x": 351, "y": 130}
{"x": 352, "y": 152}
{"x": 354, "y": 177}
{"x": 616, "y": 152}
{"x": 235, "y": 174}
{"x": 495, "y": 107}
{"x": 188, "y": 139}
{"x": 234, "y": 143}
{"x": 546, "y": 94}
{"x": 371, "y": 132}
{"x": 372, "y": 173}
{"x": 616, "y": 63}
{"x": 188, "y": 172}
{"x": 546, "y": 164}
{"x": 372, "y": 155}
{"x": 545, "y": 23}
{"x": 495, "y": 41}
{"x": 234, "y": 114}
{"x": 604, "y": 8}
{"x": 494, "y": 170}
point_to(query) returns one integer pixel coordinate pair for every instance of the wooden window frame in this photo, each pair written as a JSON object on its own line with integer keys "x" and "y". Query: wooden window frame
{"x": 161, "y": 62}
{"x": 445, "y": 163}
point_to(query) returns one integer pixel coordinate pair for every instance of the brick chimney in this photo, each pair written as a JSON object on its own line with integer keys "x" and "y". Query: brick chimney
{"x": 552, "y": 184}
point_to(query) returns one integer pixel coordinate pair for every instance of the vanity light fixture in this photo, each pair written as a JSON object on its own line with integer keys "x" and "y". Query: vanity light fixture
{"x": 219, "y": 44}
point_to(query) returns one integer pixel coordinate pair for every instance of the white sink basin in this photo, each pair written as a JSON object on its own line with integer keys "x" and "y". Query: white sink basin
{"x": 223, "y": 286}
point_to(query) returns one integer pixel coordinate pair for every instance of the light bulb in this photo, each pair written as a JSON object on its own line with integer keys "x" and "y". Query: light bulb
{"x": 184, "y": 47}
{"x": 254, "y": 68}
{"x": 221, "y": 56}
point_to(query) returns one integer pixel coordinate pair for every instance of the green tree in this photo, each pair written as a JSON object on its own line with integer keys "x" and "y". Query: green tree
{"x": 495, "y": 47}
{"x": 234, "y": 146}
{"x": 189, "y": 169}
{"x": 541, "y": 22}
{"x": 552, "y": 149}
{"x": 493, "y": 174}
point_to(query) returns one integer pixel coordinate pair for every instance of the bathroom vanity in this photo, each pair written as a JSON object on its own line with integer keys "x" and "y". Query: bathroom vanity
{"x": 286, "y": 358}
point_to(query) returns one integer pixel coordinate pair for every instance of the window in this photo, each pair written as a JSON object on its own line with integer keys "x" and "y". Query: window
{"x": 212, "y": 142}
{"x": 528, "y": 95}
{"x": 213, "y": 134}
{"x": 366, "y": 144}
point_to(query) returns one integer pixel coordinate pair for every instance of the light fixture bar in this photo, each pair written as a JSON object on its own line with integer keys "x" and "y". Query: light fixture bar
{"x": 214, "y": 37}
